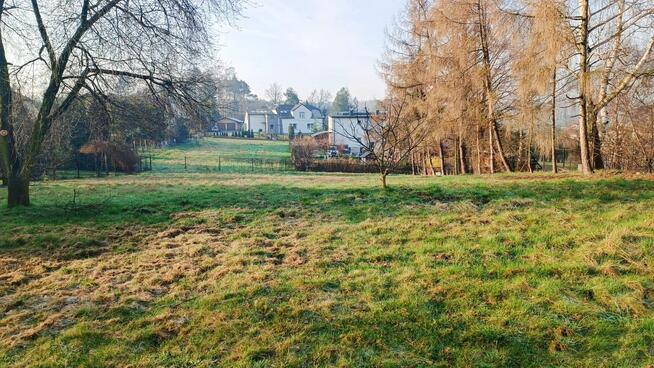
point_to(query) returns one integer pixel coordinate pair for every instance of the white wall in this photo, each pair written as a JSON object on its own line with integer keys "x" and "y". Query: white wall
{"x": 343, "y": 129}
{"x": 256, "y": 123}
{"x": 298, "y": 113}
{"x": 304, "y": 126}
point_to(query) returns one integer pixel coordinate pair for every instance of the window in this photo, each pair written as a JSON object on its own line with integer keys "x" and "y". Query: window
{"x": 293, "y": 125}
{"x": 272, "y": 126}
{"x": 309, "y": 126}
{"x": 302, "y": 115}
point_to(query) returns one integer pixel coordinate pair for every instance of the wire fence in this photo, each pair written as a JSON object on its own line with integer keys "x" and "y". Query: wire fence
{"x": 225, "y": 164}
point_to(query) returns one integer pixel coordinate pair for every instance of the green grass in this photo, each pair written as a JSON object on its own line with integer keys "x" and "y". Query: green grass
{"x": 223, "y": 155}
{"x": 285, "y": 269}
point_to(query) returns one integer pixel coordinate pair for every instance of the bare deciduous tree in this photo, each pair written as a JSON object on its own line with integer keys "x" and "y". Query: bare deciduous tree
{"x": 274, "y": 94}
{"x": 388, "y": 139}
{"x": 84, "y": 47}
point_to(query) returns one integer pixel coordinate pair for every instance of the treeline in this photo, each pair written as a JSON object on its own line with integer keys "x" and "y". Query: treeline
{"x": 502, "y": 85}
{"x": 110, "y": 133}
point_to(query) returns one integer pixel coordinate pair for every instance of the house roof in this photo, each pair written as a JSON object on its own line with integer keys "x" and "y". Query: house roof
{"x": 230, "y": 119}
{"x": 307, "y": 105}
{"x": 261, "y": 113}
{"x": 315, "y": 112}
{"x": 350, "y": 115}
{"x": 284, "y": 111}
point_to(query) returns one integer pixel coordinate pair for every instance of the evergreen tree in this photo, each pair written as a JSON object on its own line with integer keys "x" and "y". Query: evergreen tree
{"x": 343, "y": 101}
{"x": 291, "y": 97}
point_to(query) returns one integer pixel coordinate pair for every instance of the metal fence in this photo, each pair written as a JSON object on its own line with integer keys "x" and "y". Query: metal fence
{"x": 226, "y": 164}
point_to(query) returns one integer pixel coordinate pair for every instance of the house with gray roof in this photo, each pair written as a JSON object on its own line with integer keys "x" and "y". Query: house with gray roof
{"x": 303, "y": 118}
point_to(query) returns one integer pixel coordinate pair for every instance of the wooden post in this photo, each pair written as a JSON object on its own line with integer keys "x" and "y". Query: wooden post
{"x": 219, "y": 163}
{"x": 185, "y": 166}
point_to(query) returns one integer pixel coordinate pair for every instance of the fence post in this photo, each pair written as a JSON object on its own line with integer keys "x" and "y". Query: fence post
{"x": 219, "y": 163}
{"x": 185, "y": 166}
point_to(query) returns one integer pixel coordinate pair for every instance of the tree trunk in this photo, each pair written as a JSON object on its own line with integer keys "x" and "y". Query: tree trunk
{"x": 478, "y": 151}
{"x": 457, "y": 161}
{"x": 431, "y": 163}
{"x": 500, "y": 148}
{"x": 462, "y": 157}
{"x": 489, "y": 91}
{"x": 518, "y": 164}
{"x": 442, "y": 157}
{"x": 491, "y": 149}
{"x": 413, "y": 163}
{"x": 95, "y": 163}
{"x": 384, "y": 174}
{"x": 555, "y": 169}
{"x": 18, "y": 191}
{"x": 584, "y": 87}
{"x": 530, "y": 139}
{"x": 598, "y": 161}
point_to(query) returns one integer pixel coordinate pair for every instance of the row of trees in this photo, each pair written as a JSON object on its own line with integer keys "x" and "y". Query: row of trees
{"x": 494, "y": 81}
{"x": 343, "y": 101}
{"x": 121, "y": 124}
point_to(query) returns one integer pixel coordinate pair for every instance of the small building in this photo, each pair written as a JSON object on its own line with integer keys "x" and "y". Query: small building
{"x": 265, "y": 122}
{"x": 226, "y": 127}
{"x": 349, "y": 130}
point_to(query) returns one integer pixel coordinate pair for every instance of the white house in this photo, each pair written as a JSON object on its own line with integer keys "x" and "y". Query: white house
{"x": 304, "y": 118}
{"x": 351, "y": 130}
{"x": 262, "y": 122}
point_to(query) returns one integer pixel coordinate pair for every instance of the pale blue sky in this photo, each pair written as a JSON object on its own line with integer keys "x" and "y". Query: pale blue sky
{"x": 311, "y": 44}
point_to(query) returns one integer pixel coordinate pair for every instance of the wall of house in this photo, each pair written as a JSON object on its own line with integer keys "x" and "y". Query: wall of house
{"x": 342, "y": 132}
{"x": 304, "y": 126}
{"x": 256, "y": 123}
{"x": 302, "y": 113}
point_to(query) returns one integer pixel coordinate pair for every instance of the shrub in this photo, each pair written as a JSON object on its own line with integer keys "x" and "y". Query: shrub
{"x": 121, "y": 155}
{"x": 302, "y": 152}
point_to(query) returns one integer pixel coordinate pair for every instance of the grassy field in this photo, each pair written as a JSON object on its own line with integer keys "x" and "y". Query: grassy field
{"x": 293, "y": 270}
{"x": 223, "y": 155}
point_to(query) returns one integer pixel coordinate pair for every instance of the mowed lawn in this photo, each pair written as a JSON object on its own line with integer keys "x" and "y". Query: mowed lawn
{"x": 297, "y": 270}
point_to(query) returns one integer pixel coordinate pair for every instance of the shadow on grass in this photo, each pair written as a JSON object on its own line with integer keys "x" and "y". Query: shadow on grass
{"x": 49, "y": 225}
{"x": 349, "y": 205}
{"x": 429, "y": 319}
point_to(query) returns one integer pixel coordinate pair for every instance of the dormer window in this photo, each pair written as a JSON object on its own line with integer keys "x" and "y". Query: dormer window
{"x": 302, "y": 115}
